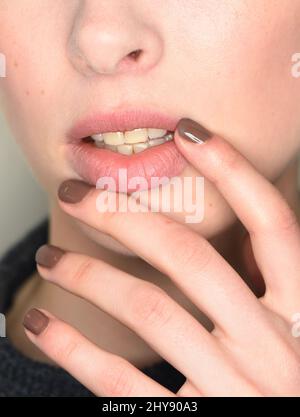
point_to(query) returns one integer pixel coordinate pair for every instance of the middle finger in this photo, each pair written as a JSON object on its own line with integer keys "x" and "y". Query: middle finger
{"x": 151, "y": 313}
{"x": 187, "y": 258}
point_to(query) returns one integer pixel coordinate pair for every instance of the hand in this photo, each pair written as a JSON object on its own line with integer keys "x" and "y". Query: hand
{"x": 250, "y": 352}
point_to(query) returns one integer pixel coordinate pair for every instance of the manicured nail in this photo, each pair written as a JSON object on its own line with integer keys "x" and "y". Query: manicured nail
{"x": 48, "y": 256}
{"x": 73, "y": 191}
{"x": 35, "y": 321}
{"x": 192, "y": 131}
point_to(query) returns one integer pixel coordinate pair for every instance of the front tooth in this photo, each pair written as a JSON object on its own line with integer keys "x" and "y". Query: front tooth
{"x": 125, "y": 149}
{"x": 139, "y": 147}
{"x": 156, "y": 133}
{"x": 136, "y": 136}
{"x": 113, "y": 138}
{"x": 154, "y": 142}
{"x": 99, "y": 144}
{"x": 111, "y": 147}
{"x": 98, "y": 137}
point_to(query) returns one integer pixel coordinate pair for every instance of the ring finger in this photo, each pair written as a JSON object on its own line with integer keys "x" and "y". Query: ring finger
{"x": 152, "y": 314}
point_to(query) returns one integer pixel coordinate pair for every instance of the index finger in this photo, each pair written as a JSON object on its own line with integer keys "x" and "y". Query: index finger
{"x": 180, "y": 253}
{"x": 272, "y": 225}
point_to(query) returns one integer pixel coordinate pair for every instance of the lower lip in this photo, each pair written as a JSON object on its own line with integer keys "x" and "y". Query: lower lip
{"x": 92, "y": 163}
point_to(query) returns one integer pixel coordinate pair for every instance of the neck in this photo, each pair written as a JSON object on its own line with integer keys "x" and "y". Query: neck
{"x": 67, "y": 234}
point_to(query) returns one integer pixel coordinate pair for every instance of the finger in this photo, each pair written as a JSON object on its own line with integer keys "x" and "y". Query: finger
{"x": 187, "y": 258}
{"x": 101, "y": 372}
{"x": 151, "y": 313}
{"x": 188, "y": 390}
{"x": 271, "y": 223}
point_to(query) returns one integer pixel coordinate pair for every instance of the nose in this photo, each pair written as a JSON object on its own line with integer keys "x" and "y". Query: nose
{"x": 109, "y": 37}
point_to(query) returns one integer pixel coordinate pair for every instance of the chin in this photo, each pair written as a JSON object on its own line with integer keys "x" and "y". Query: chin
{"x": 215, "y": 222}
{"x": 105, "y": 241}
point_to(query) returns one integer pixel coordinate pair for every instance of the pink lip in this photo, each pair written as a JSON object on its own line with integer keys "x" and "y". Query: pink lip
{"x": 92, "y": 163}
{"x": 120, "y": 121}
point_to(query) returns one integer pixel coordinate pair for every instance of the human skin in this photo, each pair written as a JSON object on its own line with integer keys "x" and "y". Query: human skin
{"x": 244, "y": 92}
{"x": 233, "y": 63}
{"x": 254, "y": 347}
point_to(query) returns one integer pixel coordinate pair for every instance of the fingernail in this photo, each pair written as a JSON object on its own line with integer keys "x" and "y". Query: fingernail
{"x": 48, "y": 256}
{"x": 190, "y": 130}
{"x": 73, "y": 191}
{"x": 35, "y": 321}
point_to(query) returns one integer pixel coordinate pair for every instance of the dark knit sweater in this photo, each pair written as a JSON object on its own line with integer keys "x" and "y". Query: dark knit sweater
{"x": 21, "y": 376}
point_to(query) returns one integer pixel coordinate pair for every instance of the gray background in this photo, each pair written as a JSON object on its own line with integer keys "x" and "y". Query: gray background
{"x": 23, "y": 204}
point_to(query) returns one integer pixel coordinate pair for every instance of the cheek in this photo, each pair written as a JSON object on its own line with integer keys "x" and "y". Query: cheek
{"x": 242, "y": 72}
{"x": 25, "y": 104}
{"x": 263, "y": 96}
{"x": 193, "y": 200}
{"x": 32, "y": 89}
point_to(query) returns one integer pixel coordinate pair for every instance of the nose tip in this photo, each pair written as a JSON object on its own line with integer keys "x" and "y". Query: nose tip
{"x": 113, "y": 46}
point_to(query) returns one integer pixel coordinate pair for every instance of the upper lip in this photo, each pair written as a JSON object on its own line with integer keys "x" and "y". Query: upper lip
{"x": 122, "y": 120}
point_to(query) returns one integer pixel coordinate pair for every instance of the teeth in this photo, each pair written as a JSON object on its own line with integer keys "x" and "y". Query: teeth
{"x": 154, "y": 142}
{"x": 133, "y": 141}
{"x": 125, "y": 149}
{"x": 136, "y": 136}
{"x": 139, "y": 147}
{"x": 100, "y": 144}
{"x": 114, "y": 138}
{"x": 111, "y": 147}
{"x": 98, "y": 138}
{"x": 156, "y": 133}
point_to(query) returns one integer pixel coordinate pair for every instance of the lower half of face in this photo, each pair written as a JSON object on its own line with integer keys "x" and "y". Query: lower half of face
{"x": 229, "y": 67}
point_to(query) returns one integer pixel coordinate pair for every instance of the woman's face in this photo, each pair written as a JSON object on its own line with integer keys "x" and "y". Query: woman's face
{"x": 226, "y": 64}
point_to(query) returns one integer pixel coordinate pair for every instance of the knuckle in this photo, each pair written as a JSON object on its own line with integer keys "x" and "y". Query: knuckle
{"x": 231, "y": 159}
{"x": 109, "y": 217}
{"x": 64, "y": 347}
{"x": 194, "y": 253}
{"x": 117, "y": 380}
{"x": 281, "y": 220}
{"x": 290, "y": 364}
{"x": 69, "y": 350}
{"x": 149, "y": 305}
{"x": 188, "y": 390}
{"x": 115, "y": 214}
{"x": 224, "y": 157}
{"x": 82, "y": 272}
{"x": 286, "y": 219}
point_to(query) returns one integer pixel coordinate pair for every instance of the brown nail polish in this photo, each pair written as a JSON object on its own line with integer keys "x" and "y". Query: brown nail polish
{"x": 73, "y": 191}
{"x": 48, "y": 256}
{"x": 35, "y": 321}
{"x": 192, "y": 131}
